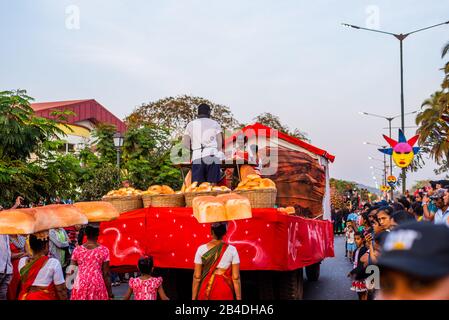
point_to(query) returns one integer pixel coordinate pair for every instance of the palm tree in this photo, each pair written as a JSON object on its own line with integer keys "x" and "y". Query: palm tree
{"x": 433, "y": 129}
{"x": 445, "y": 50}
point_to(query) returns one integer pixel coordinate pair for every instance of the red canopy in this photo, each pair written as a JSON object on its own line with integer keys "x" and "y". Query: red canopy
{"x": 259, "y": 129}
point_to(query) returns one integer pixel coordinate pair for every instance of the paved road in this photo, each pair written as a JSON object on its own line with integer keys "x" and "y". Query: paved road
{"x": 332, "y": 285}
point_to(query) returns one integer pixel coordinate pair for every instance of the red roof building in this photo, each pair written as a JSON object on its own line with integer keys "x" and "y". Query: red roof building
{"x": 86, "y": 112}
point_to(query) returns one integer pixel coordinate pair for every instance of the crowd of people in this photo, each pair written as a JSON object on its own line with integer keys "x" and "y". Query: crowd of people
{"x": 385, "y": 234}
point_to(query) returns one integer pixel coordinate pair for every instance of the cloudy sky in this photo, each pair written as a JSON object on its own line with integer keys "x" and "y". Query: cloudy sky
{"x": 292, "y": 58}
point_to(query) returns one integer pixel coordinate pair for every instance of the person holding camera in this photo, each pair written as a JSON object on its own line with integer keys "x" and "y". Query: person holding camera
{"x": 441, "y": 200}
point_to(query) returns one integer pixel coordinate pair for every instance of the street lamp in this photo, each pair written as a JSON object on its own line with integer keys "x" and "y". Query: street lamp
{"x": 118, "y": 143}
{"x": 401, "y": 37}
{"x": 384, "y": 160}
{"x": 375, "y": 159}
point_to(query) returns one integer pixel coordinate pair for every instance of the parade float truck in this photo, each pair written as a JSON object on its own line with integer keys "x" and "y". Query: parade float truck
{"x": 274, "y": 247}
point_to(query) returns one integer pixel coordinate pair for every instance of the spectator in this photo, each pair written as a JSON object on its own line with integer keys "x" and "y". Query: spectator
{"x": 59, "y": 246}
{"x": 405, "y": 203}
{"x": 417, "y": 211}
{"x": 5, "y": 266}
{"x": 145, "y": 287}
{"x": 18, "y": 251}
{"x": 350, "y": 240}
{"x": 415, "y": 263}
{"x": 401, "y": 217}
{"x": 93, "y": 280}
{"x": 441, "y": 216}
{"x": 358, "y": 273}
{"x": 384, "y": 217}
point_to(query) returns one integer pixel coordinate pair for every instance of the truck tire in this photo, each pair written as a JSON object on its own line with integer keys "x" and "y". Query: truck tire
{"x": 313, "y": 272}
{"x": 291, "y": 285}
{"x": 265, "y": 284}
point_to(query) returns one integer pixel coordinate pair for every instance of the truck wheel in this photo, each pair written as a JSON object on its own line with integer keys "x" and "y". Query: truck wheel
{"x": 291, "y": 285}
{"x": 313, "y": 272}
{"x": 266, "y": 285}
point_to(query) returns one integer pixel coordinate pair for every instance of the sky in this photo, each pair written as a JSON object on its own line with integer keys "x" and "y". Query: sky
{"x": 292, "y": 58}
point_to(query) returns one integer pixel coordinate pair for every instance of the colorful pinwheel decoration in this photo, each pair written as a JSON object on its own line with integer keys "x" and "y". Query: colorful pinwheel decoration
{"x": 403, "y": 150}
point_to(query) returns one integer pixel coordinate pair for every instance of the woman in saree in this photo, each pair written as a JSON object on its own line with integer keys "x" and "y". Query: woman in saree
{"x": 41, "y": 277}
{"x": 217, "y": 268}
{"x": 18, "y": 251}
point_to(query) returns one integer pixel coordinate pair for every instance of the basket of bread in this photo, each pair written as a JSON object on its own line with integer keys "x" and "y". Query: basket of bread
{"x": 41, "y": 219}
{"x": 204, "y": 189}
{"x": 162, "y": 196}
{"x": 261, "y": 192}
{"x": 223, "y": 207}
{"x": 125, "y": 199}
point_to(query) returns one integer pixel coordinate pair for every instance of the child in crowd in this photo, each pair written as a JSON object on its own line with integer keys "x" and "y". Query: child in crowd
{"x": 146, "y": 287}
{"x": 350, "y": 242}
{"x": 358, "y": 273}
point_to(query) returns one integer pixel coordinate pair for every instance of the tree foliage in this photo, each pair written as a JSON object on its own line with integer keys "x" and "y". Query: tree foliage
{"x": 103, "y": 142}
{"x": 174, "y": 113}
{"x": 21, "y": 131}
{"x": 433, "y": 122}
{"x": 274, "y": 122}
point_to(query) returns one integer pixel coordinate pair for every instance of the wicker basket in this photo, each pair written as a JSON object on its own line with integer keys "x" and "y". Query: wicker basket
{"x": 189, "y": 196}
{"x": 125, "y": 204}
{"x": 259, "y": 198}
{"x": 168, "y": 200}
{"x": 146, "y": 199}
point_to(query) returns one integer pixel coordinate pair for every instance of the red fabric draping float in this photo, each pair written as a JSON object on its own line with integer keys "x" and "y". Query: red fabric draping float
{"x": 268, "y": 241}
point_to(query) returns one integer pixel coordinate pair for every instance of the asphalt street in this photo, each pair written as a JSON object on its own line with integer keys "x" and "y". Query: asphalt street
{"x": 333, "y": 283}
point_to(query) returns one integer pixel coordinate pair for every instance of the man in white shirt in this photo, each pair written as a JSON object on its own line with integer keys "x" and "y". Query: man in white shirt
{"x": 204, "y": 137}
{"x": 441, "y": 201}
{"x": 5, "y": 266}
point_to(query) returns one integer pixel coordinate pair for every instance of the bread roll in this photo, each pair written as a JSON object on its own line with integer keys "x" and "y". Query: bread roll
{"x": 156, "y": 189}
{"x": 98, "y": 211}
{"x": 205, "y": 184}
{"x": 267, "y": 184}
{"x": 208, "y": 209}
{"x": 253, "y": 177}
{"x": 290, "y": 210}
{"x": 204, "y": 189}
{"x": 167, "y": 190}
{"x": 252, "y": 184}
{"x": 245, "y": 171}
{"x": 238, "y": 207}
{"x": 197, "y": 200}
{"x": 57, "y": 216}
{"x": 192, "y": 187}
{"x": 19, "y": 221}
{"x": 228, "y": 196}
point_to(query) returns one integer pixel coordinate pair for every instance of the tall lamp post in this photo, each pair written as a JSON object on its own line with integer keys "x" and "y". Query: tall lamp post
{"x": 118, "y": 143}
{"x": 385, "y": 168}
{"x": 401, "y": 37}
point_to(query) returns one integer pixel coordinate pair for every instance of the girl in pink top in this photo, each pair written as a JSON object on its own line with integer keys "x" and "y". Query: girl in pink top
{"x": 145, "y": 287}
{"x": 93, "y": 280}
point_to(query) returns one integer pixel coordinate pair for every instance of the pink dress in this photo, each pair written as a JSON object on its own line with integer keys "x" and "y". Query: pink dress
{"x": 145, "y": 289}
{"x": 89, "y": 283}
